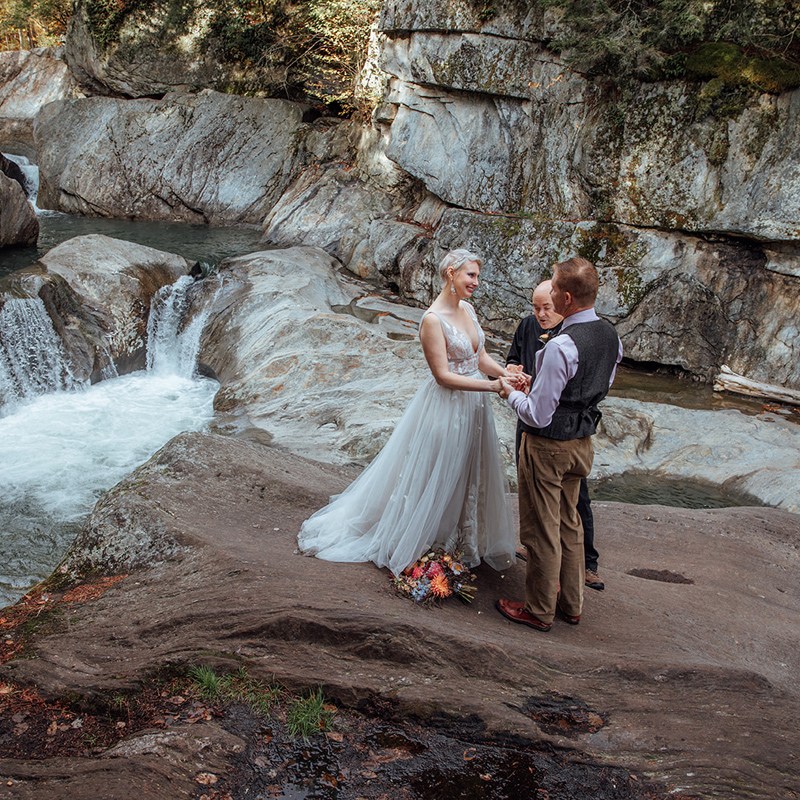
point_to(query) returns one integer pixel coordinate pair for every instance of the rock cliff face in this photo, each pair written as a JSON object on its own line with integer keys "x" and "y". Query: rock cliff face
{"x": 29, "y": 79}
{"x": 686, "y": 199}
{"x": 197, "y": 158}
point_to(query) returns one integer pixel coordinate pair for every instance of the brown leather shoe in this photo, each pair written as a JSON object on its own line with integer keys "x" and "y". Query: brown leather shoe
{"x": 572, "y": 619}
{"x": 592, "y": 580}
{"x": 514, "y": 611}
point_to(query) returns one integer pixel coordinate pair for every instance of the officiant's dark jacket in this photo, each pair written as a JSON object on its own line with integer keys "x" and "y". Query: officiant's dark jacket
{"x": 527, "y": 342}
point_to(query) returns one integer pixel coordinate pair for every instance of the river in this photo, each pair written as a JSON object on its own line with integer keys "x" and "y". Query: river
{"x": 62, "y": 444}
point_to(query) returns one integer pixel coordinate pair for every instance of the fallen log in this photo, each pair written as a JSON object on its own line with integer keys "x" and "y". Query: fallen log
{"x": 729, "y": 381}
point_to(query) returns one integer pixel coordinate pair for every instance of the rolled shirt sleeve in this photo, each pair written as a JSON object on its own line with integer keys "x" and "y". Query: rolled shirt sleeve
{"x": 556, "y": 364}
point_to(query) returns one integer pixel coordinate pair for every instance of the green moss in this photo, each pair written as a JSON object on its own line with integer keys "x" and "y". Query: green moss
{"x": 610, "y": 248}
{"x": 721, "y": 100}
{"x": 630, "y": 287}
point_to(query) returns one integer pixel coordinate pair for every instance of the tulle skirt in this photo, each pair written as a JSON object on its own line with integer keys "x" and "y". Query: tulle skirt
{"x": 438, "y": 482}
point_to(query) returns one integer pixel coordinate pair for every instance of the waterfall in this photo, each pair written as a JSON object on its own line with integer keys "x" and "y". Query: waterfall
{"x": 31, "y": 174}
{"x": 32, "y": 359}
{"x": 173, "y": 343}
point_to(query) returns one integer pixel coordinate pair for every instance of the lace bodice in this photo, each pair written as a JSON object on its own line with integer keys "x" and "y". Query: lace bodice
{"x": 461, "y": 358}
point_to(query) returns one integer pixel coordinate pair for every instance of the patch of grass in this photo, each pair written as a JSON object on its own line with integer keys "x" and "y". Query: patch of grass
{"x": 309, "y": 714}
{"x": 207, "y": 682}
{"x": 236, "y": 687}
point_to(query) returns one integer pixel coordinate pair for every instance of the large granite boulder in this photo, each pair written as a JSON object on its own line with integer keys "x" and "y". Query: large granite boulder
{"x": 327, "y": 207}
{"x": 88, "y": 301}
{"x": 18, "y": 222}
{"x": 29, "y": 80}
{"x": 285, "y": 340}
{"x": 201, "y": 158}
{"x": 324, "y": 367}
{"x": 114, "y": 282}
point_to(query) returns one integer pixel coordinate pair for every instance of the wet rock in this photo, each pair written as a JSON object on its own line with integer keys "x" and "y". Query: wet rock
{"x": 753, "y": 455}
{"x": 700, "y": 697}
{"x": 153, "y": 765}
{"x": 114, "y": 282}
{"x": 18, "y": 222}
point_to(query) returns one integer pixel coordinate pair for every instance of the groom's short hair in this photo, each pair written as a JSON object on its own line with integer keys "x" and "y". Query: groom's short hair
{"x": 578, "y": 276}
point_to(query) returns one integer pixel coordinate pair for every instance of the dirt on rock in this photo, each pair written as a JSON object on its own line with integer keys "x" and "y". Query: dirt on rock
{"x": 686, "y": 687}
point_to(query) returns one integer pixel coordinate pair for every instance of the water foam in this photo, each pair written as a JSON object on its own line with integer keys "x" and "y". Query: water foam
{"x": 60, "y": 450}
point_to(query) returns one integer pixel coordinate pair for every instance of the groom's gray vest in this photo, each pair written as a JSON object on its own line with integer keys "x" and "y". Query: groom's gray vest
{"x": 577, "y": 414}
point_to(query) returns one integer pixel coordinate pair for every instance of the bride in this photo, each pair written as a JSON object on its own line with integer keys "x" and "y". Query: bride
{"x": 438, "y": 481}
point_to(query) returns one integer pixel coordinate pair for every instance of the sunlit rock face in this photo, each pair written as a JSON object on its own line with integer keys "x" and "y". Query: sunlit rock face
{"x": 29, "y": 80}
{"x": 690, "y": 215}
{"x": 209, "y": 157}
{"x": 325, "y": 367}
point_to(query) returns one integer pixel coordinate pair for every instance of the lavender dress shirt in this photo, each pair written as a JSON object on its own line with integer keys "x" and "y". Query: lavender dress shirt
{"x": 556, "y": 364}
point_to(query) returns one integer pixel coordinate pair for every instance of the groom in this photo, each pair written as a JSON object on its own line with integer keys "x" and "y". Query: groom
{"x": 573, "y": 374}
{"x": 530, "y": 337}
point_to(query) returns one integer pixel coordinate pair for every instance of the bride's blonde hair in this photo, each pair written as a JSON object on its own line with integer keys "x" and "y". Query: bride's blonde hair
{"x": 456, "y": 259}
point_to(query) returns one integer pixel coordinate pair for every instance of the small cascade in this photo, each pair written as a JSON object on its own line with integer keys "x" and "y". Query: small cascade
{"x": 32, "y": 359}
{"x": 173, "y": 334}
{"x": 31, "y": 173}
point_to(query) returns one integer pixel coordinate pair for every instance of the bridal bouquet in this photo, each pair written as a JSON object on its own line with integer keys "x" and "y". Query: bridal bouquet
{"x": 435, "y": 576}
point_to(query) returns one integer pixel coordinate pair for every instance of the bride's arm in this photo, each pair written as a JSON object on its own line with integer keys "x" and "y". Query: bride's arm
{"x": 435, "y": 348}
{"x": 488, "y": 366}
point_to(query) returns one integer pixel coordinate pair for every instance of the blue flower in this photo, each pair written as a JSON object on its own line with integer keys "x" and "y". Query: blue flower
{"x": 421, "y": 590}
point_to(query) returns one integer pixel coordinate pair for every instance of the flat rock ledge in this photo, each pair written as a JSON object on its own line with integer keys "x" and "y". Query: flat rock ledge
{"x": 689, "y": 657}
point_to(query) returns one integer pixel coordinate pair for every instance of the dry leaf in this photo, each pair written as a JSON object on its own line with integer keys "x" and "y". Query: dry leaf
{"x": 206, "y": 778}
{"x": 335, "y": 736}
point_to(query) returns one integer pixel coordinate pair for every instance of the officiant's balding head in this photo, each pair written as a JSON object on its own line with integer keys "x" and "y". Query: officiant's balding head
{"x": 543, "y": 308}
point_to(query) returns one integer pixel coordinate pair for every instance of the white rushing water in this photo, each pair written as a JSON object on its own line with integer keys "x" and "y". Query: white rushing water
{"x": 32, "y": 360}
{"x": 31, "y": 175}
{"x": 60, "y": 450}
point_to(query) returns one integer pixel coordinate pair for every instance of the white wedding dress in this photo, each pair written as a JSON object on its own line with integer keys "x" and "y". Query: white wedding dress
{"x": 438, "y": 481}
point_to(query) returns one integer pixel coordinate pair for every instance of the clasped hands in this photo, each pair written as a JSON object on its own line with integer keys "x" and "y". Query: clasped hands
{"x": 516, "y": 380}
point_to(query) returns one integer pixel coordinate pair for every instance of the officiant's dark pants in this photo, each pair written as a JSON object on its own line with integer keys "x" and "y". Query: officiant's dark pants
{"x": 550, "y": 529}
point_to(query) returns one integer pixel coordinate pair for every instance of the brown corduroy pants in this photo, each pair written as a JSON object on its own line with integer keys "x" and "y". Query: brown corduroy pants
{"x": 550, "y": 529}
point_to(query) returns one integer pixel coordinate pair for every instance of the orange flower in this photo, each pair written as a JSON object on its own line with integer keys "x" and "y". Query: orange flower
{"x": 440, "y": 587}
